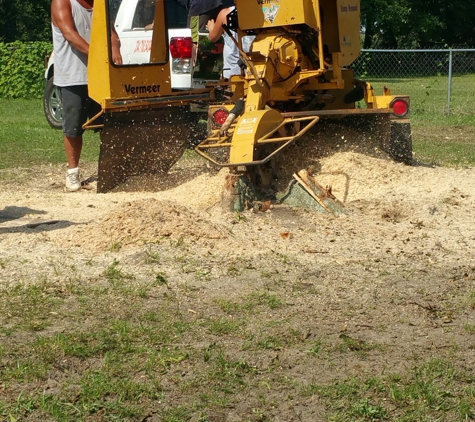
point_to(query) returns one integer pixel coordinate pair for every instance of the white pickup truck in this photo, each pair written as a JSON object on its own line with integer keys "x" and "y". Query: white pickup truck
{"x": 131, "y": 19}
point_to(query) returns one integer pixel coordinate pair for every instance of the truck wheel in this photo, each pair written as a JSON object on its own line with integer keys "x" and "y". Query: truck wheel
{"x": 400, "y": 143}
{"x": 52, "y": 105}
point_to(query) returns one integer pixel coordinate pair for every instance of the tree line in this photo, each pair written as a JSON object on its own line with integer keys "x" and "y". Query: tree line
{"x": 418, "y": 23}
{"x": 384, "y": 23}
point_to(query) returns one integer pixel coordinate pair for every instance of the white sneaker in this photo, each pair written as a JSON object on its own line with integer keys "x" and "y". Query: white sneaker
{"x": 73, "y": 180}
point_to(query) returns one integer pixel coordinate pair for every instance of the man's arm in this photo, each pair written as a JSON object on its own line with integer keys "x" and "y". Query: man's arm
{"x": 62, "y": 18}
{"x": 216, "y": 28}
{"x": 115, "y": 46}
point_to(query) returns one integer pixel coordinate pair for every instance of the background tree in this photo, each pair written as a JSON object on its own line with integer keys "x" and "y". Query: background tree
{"x": 25, "y": 20}
{"x": 418, "y": 23}
{"x": 387, "y": 23}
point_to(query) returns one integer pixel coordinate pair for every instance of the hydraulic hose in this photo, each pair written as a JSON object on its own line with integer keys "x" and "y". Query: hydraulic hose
{"x": 235, "y": 112}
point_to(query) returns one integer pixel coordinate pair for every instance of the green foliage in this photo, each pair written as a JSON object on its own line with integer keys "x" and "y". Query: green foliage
{"x": 405, "y": 23}
{"x": 417, "y": 24}
{"x": 25, "y": 20}
{"x": 22, "y": 69}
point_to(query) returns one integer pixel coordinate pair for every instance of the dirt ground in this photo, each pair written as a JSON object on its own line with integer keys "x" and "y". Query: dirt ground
{"x": 397, "y": 270}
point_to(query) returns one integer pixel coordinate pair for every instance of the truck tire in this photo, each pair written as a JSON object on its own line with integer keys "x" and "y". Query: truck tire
{"x": 400, "y": 143}
{"x": 52, "y": 105}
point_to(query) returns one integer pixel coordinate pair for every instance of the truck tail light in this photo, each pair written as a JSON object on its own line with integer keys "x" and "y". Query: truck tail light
{"x": 400, "y": 107}
{"x": 181, "y": 47}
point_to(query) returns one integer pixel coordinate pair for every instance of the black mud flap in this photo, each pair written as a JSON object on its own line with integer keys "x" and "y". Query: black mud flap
{"x": 139, "y": 142}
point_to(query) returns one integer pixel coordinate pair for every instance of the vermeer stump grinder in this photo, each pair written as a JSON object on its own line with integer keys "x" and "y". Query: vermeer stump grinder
{"x": 295, "y": 73}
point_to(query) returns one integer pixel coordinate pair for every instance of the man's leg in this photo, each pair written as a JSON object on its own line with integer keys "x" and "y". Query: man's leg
{"x": 74, "y": 116}
{"x": 73, "y": 148}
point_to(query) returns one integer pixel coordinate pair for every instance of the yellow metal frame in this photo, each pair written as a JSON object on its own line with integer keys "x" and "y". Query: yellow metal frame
{"x": 216, "y": 141}
{"x": 122, "y": 87}
{"x": 278, "y": 71}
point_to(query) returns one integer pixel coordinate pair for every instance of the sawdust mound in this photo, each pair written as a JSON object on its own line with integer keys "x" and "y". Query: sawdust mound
{"x": 345, "y": 138}
{"x": 146, "y": 221}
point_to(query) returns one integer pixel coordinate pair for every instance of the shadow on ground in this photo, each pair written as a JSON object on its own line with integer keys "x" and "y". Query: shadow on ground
{"x": 14, "y": 213}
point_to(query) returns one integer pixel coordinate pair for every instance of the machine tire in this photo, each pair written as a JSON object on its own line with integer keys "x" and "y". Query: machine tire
{"x": 52, "y": 105}
{"x": 400, "y": 142}
{"x": 198, "y": 129}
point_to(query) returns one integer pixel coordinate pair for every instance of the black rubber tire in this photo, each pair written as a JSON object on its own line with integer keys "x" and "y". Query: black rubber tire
{"x": 400, "y": 144}
{"x": 52, "y": 105}
{"x": 198, "y": 128}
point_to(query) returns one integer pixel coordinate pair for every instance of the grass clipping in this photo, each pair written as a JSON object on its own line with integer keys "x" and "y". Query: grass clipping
{"x": 147, "y": 221}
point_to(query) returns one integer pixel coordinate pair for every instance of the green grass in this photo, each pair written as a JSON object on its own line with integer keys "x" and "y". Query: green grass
{"x": 427, "y": 392}
{"x": 27, "y": 140}
{"x": 445, "y": 152}
{"x": 429, "y": 97}
{"x": 137, "y": 346}
{"x": 117, "y": 348}
{"x": 438, "y": 138}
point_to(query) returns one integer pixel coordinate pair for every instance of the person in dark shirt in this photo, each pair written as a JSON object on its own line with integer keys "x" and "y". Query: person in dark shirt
{"x": 206, "y": 10}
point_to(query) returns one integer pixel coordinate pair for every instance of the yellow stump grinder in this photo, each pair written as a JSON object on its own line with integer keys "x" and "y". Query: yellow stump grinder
{"x": 296, "y": 72}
